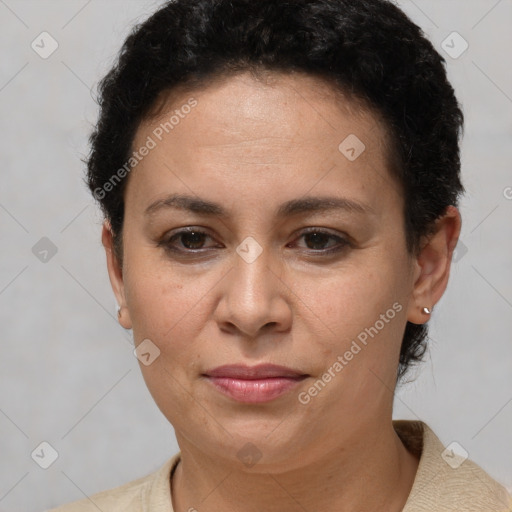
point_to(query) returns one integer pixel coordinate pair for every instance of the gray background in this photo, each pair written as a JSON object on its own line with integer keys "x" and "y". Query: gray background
{"x": 68, "y": 375}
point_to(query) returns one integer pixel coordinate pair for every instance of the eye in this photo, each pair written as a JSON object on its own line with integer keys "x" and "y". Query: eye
{"x": 317, "y": 239}
{"x": 186, "y": 240}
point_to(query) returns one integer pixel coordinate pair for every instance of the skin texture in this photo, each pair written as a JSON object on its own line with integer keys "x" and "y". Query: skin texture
{"x": 252, "y": 145}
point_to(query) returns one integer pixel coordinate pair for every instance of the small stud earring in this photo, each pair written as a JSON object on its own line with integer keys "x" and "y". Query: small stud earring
{"x": 427, "y": 311}
{"x": 119, "y": 312}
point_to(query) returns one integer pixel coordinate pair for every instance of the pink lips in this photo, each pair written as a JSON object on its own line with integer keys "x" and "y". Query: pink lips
{"x": 254, "y": 384}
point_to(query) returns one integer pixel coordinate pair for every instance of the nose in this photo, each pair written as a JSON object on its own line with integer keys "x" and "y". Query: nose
{"x": 255, "y": 299}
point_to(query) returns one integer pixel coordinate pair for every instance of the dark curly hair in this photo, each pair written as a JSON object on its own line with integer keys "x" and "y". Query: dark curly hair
{"x": 368, "y": 49}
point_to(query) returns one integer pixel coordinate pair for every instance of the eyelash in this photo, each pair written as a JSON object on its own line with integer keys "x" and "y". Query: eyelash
{"x": 342, "y": 242}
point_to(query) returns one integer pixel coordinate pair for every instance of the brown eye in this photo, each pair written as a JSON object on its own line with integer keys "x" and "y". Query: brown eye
{"x": 318, "y": 241}
{"x": 186, "y": 241}
{"x": 190, "y": 239}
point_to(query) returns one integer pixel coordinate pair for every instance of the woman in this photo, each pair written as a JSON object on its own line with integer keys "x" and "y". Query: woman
{"x": 280, "y": 184}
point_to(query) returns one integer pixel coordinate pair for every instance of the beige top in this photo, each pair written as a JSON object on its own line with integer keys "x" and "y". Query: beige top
{"x": 444, "y": 482}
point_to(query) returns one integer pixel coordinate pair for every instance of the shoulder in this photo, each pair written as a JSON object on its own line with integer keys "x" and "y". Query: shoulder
{"x": 152, "y": 490}
{"x": 446, "y": 478}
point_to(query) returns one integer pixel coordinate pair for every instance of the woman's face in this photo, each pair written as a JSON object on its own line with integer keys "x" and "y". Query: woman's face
{"x": 274, "y": 272}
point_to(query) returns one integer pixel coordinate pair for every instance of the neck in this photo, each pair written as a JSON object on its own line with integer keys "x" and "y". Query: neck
{"x": 374, "y": 472}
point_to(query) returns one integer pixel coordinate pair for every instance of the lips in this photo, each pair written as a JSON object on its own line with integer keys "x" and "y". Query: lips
{"x": 261, "y": 371}
{"x": 254, "y": 384}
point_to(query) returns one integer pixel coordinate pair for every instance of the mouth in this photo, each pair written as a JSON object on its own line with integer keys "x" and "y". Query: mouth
{"x": 256, "y": 384}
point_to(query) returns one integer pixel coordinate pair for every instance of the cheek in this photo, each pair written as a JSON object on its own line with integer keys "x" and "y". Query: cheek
{"x": 163, "y": 302}
{"x": 356, "y": 297}
{"x": 362, "y": 310}
{"x": 169, "y": 311}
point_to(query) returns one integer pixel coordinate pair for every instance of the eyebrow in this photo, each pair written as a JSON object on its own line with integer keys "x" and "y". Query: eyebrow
{"x": 310, "y": 204}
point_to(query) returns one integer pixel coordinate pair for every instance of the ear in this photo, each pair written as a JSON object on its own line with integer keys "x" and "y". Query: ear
{"x": 432, "y": 265}
{"x": 115, "y": 273}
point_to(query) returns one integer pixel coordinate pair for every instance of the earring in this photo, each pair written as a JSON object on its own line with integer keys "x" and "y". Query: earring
{"x": 119, "y": 312}
{"x": 427, "y": 311}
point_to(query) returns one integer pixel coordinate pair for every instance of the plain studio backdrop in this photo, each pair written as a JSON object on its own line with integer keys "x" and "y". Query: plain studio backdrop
{"x": 68, "y": 374}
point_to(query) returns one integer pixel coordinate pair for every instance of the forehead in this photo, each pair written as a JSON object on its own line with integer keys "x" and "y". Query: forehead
{"x": 276, "y": 103}
{"x": 284, "y": 131}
